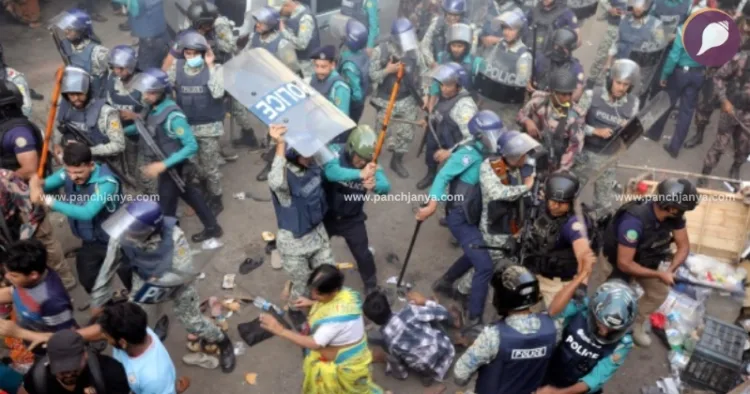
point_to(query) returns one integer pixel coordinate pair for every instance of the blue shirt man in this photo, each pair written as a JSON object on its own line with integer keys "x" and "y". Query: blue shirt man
{"x": 327, "y": 81}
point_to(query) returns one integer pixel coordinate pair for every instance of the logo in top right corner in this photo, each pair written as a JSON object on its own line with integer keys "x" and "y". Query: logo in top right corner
{"x": 711, "y": 37}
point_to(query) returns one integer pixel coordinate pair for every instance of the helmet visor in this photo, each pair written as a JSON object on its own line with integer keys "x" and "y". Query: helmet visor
{"x": 406, "y": 41}
{"x": 489, "y": 140}
{"x": 126, "y": 227}
{"x": 144, "y": 83}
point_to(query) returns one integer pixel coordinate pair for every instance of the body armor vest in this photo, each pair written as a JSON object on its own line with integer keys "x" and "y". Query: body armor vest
{"x": 602, "y": 114}
{"x": 194, "y": 97}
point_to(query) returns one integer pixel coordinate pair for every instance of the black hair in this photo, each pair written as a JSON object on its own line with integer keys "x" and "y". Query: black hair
{"x": 126, "y": 321}
{"x": 376, "y": 308}
{"x": 25, "y": 257}
{"x": 77, "y": 154}
{"x": 326, "y": 279}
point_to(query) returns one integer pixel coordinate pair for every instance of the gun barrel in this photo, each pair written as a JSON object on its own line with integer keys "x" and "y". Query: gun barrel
{"x": 148, "y": 139}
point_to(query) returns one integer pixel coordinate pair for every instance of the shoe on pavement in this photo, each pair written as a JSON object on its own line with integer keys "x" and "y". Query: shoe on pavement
{"x": 640, "y": 336}
{"x": 202, "y": 360}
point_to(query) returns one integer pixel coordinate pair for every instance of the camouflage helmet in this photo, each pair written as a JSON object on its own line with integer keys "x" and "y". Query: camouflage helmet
{"x": 362, "y": 141}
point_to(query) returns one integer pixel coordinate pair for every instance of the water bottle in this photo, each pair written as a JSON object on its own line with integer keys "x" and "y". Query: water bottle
{"x": 266, "y": 305}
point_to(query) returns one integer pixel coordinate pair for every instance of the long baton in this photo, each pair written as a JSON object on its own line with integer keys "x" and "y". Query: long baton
{"x": 388, "y": 112}
{"x": 408, "y": 254}
{"x": 51, "y": 116}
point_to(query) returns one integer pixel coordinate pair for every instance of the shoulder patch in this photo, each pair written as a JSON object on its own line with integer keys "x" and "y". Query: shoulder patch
{"x": 466, "y": 160}
{"x": 631, "y": 235}
{"x": 577, "y": 226}
{"x": 179, "y": 131}
{"x": 574, "y": 19}
{"x": 21, "y": 142}
{"x": 580, "y": 77}
{"x": 114, "y": 124}
{"x": 337, "y": 100}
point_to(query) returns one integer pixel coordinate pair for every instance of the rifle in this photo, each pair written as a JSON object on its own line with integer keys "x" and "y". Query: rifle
{"x": 532, "y": 79}
{"x": 534, "y": 211}
{"x": 149, "y": 140}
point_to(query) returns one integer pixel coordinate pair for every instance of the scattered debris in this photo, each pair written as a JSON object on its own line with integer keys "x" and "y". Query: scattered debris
{"x": 228, "y": 282}
{"x": 276, "y": 260}
{"x": 249, "y": 195}
{"x": 251, "y": 378}
{"x": 268, "y": 236}
{"x": 392, "y": 258}
{"x": 202, "y": 276}
{"x": 232, "y": 305}
{"x": 211, "y": 244}
{"x": 250, "y": 264}
{"x": 201, "y": 360}
{"x": 344, "y": 266}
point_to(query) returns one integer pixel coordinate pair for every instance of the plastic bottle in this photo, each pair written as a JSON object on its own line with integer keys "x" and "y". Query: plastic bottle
{"x": 266, "y": 305}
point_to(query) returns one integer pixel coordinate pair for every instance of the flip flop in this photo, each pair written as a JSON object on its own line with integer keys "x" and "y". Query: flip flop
{"x": 201, "y": 360}
{"x": 182, "y": 384}
{"x": 250, "y": 264}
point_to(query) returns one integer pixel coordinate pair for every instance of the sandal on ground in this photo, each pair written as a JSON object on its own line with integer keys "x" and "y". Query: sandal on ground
{"x": 201, "y": 360}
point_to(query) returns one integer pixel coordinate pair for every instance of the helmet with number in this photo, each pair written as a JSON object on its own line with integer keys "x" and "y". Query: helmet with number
{"x": 516, "y": 289}
{"x": 362, "y": 141}
{"x": 404, "y": 35}
{"x": 677, "y": 193}
{"x": 195, "y": 41}
{"x": 10, "y": 96}
{"x": 512, "y": 145}
{"x": 202, "y": 13}
{"x": 75, "y": 80}
{"x": 486, "y": 127}
{"x": 561, "y": 186}
{"x": 123, "y": 56}
{"x": 268, "y": 16}
{"x": 460, "y": 32}
{"x": 456, "y": 7}
{"x": 563, "y": 80}
{"x": 613, "y": 306}
{"x": 134, "y": 222}
{"x": 78, "y": 21}
{"x": 514, "y": 20}
{"x": 624, "y": 70}
{"x": 150, "y": 81}
{"x": 356, "y": 35}
{"x": 562, "y": 44}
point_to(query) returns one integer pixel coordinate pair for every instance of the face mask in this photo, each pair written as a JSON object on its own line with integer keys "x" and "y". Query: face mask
{"x": 195, "y": 62}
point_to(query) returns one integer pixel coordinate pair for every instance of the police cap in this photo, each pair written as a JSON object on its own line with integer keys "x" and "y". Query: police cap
{"x": 327, "y": 52}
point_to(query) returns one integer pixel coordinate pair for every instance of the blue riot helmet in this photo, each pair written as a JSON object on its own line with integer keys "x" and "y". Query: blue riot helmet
{"x": 561, "y": 186}
{"x": 613, "y": 307}
{"x": 514, "y": 20}
{"x": 123, "y": 56}
{"x": 76, "y": 24}
{"x": 513, "y": 145}
{"x": 404, "y": 35}
{"x": 455, "y": 7}
{"x": 486, "y": 128}
{"x": 356, "y": 35}
{"x": 515, "y": 289}
{"x": 446, "y": 74}
{"x": 195, "y": 41}
{"x": 624, "y": 70}
{"x": 75, "y": 80}
{"x": 153, "y": 80}
{"x": 268, "y": 16}
{"x": 134, "y": 222}
{"x": 643, "y": 6}
{"x": 202, "y": 13}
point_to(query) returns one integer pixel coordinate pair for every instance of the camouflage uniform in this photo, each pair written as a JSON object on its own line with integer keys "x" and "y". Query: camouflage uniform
{"x": 109, "y": 123}
{"x": 419, "y": 13}
{"x": 99, "y": 58}
{"x": 207, "y": 135}
{"x": 186, "y": 303}
{"x": 426, "y": 44}
{"x": 225, "y": 42}
{"x": 307, "y": 27}
{"x": 401, "y": 134}
{"x": 707, "y": 102}
{"x": 19, "y": 80}
{"x": 492, "y": 190}
{"x": 656, "y": 42}
{"x": 596, "y": 74}
{"x": 299, "y": 256}
{"x": 539, "y": 109}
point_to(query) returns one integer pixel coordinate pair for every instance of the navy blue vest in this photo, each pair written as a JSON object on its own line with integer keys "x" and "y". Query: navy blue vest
{"x": 127, "y": 102}
{"x": 194, "y": 97}
{"x": 671, "y": 16}
{"x": 410, "y": 68}
{"x": 324, "y": 87}
{"x": 630, "y": 38}
{"x": 293, "y": 24}
{"x": 86, "y": 119}
{"x": 271, "y": 46}
{"x": 150, "y": 22}
{"x": 153, "y": 263}
{"x": 521, "y": 362}
{"x": 83, "y": 60}
{"x": 447, "y": 129}
{"x": 602, "y": 114}
{"x": 156, "y": 125}
{"x": 91, "y": 230}
{"x": 338, "y": 204}
{"x": 355, "y": 9}
{"x": 308, "y": 205}
{"x": 362, "y": 62}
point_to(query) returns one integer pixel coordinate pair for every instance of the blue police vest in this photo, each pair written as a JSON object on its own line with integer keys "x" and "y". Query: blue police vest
{"x": 194, "y": 97}
{"x": 308, "y": 205}
{"x": 577, "y": 354}
{"x": 150, "y": 22}
{"x": 86, "y": 119}
{"x": 128, "y": 102}
{"x": 156, "y": 125}
{"x": 362, "y": 62}
{"x": 83, "y": 60}
{"x": 91, "y": 230}
{"x": 340, "y": 206}
{"x": 355, "y": 9}
{"x": 271, "y": 46}
{"x": 671, "y": 16}
{"x": 153, "y": 263}
{"x": 521, "y": 362}
{"x": 546, "y": 22}
{"x": 293, "y": 23}
{"x": 447, "y": 129}
{"x": 602, "y": 114}
{"x": 630, "y": 38}
{"x": 547, "y": 67}
{"x": 614, "y": 20}
{"x": 324, "y": 87}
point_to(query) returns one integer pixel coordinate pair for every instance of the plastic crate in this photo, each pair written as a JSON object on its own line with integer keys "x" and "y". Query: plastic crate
{"x": 716, "y": 363}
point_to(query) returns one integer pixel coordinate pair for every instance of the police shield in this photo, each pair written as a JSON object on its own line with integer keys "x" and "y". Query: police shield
{"x": 276, "y": 95}
{"x": 498, "y": 81}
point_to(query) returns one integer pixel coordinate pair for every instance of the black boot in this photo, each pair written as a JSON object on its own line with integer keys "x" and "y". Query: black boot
{"x": 734, "y": 172}
{"x": 36, "y": 95}
{"x": 443, "y": 222}
{"x": 208, "y": 233}
{"x": 425, "y": 182}
{"x": 248, "y": 139}
{"x": 445, "y": 288}
{"x": 161, "y": 328}
{"x": 697, "y": 139}
{"x": 397, "y": 165}
{"x": 263, "y": 174}
{"x": 226, "y": 355}
{"x": 216, "y": 205}
{"x": 702, "y": 182}
{"x": 472, "y": 328}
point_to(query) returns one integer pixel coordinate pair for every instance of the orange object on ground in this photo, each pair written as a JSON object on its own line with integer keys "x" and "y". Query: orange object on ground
{"x": 26, "y": 11}
{"x": 18, "y": 352}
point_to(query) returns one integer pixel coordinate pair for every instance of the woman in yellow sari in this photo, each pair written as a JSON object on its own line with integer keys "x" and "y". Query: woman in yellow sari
{"x": 337, "y": 359}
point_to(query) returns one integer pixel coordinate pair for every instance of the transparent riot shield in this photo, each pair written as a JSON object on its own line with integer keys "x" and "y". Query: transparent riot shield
{"x": 276, "y": 95}
{"x": 498, "y": 81}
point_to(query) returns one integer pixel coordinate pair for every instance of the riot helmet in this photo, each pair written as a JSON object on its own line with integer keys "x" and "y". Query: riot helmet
{"x": 561, "y": 45}
{"x": 624, "y": 70}
{"x": 404, "y": 35}
{"x": 612, "y": 309}
{"x": 513, "y": 145}
{"x": 563, "y": 80}
{"x": 153, "y": 80}
{"x": 486, "y": 128}
{"x": 76, "y": 25}
{"x": 123, "y": 56}
{"x": 362, "y": 141}
{"x": 447, "y": 74}
{"x": 677, "y": 193}
{"x": 202, "y": 14}
{"x": 356, "y": 35}
{"x": 562, "y": 187}
{"x": 641, "y": 6}
{"x": 516, "y": 289}
{"x": 454, "y": 7}
{"x": 134, "y": 222}
{"x": 514, "y": 20}
{"x": 268, "y": 16}
{"x": 459, "y": 33}
{"x": 75, "y": 80}
{"x": 10, "y": 97}
{"x": 195, "y": 41}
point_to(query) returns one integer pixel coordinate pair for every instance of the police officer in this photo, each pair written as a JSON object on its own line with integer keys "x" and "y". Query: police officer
{"x": 458, "y": 50}
{"x": 554, "y": 120}
{"x": 148, "y": 23}
{"x": 450, "y": 119}
{"x": 83, "y": 48}
{"x": 595, "y": 338}
{"x": 460, "y": 174}
{"x": 81, "y": 109}
{"x": 20, "y": 140}
{"x": 638, "y": 239}
{"x": 174, "y": 137}
{"x": 329, "y": 83}
{"x": 557, "y": 56}
{"x": 615, "y": 10}
{"x": 434, "y": 41}
{"x": 300, "y": 204}
{"x": 8, "y": 73}
{"x": 531, "y": 337}
{"x": 300, "y": 27}
{"x": 365, "y": 12}
{"x": 503, "y": 82}
{"x": 155, "y": 247}
{"x": 400, "y": 48}
{"x": 354, "y": 66}
{"x": 122, "y": 63}
{"x": 206, "y": 20}
{"x": 558, "y": 244}
{"x": 492, "y": 31}
{"x": 348, "y": 176}
{"x": 548, "y": 16}
{"x": 91, "y": 191}
{"x": 199, "y": 91}
{"x": 609, "y": 109}
{"x": 672, "y": 14}
{"x": 640, "y": 37}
